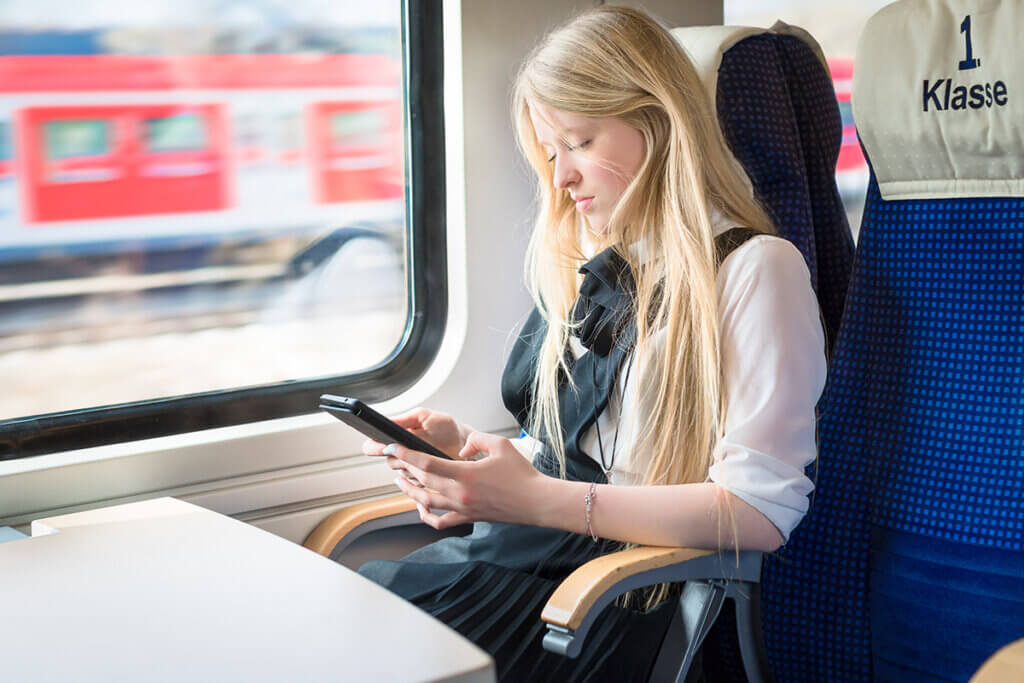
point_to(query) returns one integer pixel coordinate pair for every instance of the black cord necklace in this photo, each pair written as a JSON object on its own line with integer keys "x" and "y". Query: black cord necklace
{"x": 607, "y": 468}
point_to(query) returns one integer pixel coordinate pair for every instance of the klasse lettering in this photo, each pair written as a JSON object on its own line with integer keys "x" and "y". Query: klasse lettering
{"x": 943, "y": 95}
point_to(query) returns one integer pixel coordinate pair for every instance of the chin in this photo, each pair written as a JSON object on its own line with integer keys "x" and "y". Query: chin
{"x": 596, "y": 228}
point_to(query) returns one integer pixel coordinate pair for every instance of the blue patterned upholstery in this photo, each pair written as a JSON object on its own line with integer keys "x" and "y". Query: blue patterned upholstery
{"x": 780, "y": 116}
{"x": 910, "y": 563}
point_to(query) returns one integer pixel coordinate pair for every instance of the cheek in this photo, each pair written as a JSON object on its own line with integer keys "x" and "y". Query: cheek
{"x": 635, "y": 156}
{"x": 613, "y": 183}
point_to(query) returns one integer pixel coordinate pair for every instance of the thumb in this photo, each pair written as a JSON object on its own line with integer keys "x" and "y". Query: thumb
{"x": 477, "y": 442}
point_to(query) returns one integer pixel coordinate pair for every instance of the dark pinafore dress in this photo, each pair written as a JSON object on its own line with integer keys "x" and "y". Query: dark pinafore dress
{"x": 492, "y": 584}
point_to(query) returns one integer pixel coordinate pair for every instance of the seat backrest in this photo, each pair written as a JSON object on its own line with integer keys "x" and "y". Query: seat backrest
{"x": 910, "y": 563}
{"x": 779, "y": 114}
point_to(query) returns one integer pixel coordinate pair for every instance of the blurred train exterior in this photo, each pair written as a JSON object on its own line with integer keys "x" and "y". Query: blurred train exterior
{"x": 851, "y": 168}
{"x": 102, "y": 152}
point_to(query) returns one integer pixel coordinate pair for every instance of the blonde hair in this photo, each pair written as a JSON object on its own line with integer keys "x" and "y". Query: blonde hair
{"x": 619, "y": 62}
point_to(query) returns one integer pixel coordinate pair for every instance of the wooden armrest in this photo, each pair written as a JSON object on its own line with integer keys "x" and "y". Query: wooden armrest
{"x": 360, "y": 518}
{"x": 1007, "y": 664}
{"x": 574, "y": 597}
{"x": 574, "y": 606}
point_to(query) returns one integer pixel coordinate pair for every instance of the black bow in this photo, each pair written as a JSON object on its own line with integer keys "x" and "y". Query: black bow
{"x": 605, "y": 303}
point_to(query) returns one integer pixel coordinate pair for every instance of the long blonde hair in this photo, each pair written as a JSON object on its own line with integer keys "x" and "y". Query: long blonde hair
{"x": 617, "y": 61}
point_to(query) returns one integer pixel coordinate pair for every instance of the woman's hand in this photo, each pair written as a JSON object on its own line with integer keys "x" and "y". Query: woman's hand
{"x": 437, "y": 429}
{"x": 499, "y": 487}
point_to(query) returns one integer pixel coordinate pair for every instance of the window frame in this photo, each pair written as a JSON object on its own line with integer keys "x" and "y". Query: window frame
{"x": 427, "y": 298}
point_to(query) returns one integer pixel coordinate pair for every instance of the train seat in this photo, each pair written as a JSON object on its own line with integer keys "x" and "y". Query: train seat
{"x": 910, "y": 564}
{"x": 778, "y": 112}
{"x": 780, "y": 117}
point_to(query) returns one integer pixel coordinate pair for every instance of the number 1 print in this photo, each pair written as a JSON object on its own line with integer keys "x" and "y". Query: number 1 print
{"x": 968, "y": 62}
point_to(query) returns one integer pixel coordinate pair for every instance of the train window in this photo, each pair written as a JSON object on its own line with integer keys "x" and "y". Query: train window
{"x": 76, "y": 138}
{"x": 174, "y": 133}
{"x": 846, "y": 113}
{"x": 289, "y": 136}
{"x": 216, "y": 215}
{"x": 836, "y": 27}
{"x": 358, "y": 128}
{"x": 5, "y": 141}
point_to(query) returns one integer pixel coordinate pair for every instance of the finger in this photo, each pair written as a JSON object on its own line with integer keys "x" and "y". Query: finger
{"x": 424, "y": 496}
{"x": 408, "y": 481}
{"x": 431, "y": 481}
{"x": 371, "y": 447}
{"x": 410, "y": 471}
{"x": 444, "y": 520}
{"x": 414, "y": 419}
{"x": 478, "y": 442}
{"x": 399, "y": 466}
{"x": 424, "y": 463}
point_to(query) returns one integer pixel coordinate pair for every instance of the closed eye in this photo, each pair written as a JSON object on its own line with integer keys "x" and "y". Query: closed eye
{"x": 571, "y": 148}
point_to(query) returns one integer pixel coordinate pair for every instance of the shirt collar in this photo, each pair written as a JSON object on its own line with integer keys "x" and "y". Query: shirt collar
{"x": 720, "y": 223}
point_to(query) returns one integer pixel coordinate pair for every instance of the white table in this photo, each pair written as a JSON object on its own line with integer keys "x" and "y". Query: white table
{"x": 166, "y": 591}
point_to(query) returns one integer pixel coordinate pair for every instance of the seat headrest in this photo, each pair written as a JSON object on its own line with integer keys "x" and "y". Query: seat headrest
{"x": 938, "y": 98}
{"x": 706, "y": 45}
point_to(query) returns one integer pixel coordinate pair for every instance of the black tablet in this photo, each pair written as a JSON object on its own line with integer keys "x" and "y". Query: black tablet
{"x": 365, "y": 419}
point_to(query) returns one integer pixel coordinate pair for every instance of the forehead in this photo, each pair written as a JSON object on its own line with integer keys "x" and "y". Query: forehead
{"x": 550, "y": 124}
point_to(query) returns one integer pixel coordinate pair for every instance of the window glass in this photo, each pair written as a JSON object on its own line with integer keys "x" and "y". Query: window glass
{"x": 358, "y": 127}
{"x": 191, "y": 224}
{"x": 5, "y": 141}
{"x": 836, "y": 27}
{"x": 69, "y": 139}
{"x": 178, "y": 132}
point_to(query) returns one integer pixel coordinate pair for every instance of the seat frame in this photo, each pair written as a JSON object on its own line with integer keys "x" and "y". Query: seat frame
{"x": 710, "y": 578}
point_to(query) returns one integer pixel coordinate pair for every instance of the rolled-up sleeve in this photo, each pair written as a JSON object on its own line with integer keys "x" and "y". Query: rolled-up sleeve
{"x": 773, "y": 362}
{"x": 526, "y": 445}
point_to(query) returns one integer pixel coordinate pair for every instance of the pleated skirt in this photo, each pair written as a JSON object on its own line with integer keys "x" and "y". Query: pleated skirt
{"x": 492, "y": 585}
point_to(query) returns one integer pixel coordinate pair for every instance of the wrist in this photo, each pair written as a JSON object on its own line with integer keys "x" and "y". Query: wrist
{"x": 559, "y": 504}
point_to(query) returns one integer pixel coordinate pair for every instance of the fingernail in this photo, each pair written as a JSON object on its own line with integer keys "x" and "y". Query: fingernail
{"x": 399, "y": 484}
{"x": 390, "y": 449}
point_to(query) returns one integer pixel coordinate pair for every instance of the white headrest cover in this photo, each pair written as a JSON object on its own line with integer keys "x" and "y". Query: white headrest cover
{"x": 705, "y": 46}
{"x": 938, "y": 98}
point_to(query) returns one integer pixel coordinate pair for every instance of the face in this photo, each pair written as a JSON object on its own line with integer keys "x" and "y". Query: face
{"x": 594, "y": 159}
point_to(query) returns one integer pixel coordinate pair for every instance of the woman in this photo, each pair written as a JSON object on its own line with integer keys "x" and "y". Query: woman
{"x": 667, "y": 376}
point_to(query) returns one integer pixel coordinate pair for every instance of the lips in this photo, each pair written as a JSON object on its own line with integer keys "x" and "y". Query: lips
{"x": 583, "y": 203}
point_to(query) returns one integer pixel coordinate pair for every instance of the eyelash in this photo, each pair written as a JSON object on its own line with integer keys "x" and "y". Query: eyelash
{"x": 582, "y": 145}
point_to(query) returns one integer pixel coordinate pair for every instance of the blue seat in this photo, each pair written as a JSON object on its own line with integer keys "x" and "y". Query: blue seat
{"x": 910, "y": 564}
{"x": 779, "y": 114}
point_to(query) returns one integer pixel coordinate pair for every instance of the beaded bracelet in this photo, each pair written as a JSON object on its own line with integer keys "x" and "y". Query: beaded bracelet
{"x": 588, "y": 501}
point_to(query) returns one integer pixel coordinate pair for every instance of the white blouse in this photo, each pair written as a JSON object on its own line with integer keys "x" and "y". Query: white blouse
{"x": 773, "y": 356}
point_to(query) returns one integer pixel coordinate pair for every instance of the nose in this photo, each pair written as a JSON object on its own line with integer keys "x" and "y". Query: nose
{"x": 566, "y": 173}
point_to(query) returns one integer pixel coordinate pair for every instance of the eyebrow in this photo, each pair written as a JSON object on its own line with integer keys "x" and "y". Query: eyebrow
{"x": 561, "y": 135}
